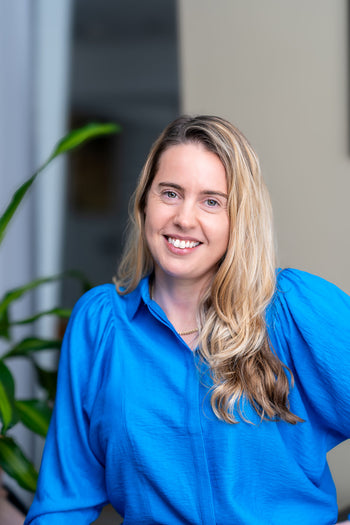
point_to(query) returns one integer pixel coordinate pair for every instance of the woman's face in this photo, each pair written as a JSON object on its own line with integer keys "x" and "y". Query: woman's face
{"x": 186, "y": 216}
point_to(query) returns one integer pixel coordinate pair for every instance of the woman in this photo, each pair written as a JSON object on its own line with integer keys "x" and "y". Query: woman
{"x": 206, "y": 388}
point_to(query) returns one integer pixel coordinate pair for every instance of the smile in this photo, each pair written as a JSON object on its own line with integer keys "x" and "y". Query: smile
{"x": 182, "y": 244}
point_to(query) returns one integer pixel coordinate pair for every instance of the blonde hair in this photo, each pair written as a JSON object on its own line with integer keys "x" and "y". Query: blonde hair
{"x": 233, "y": 338}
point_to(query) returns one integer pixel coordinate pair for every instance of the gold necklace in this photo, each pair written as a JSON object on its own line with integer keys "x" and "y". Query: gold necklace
{"x": 185, "y": 332}
{"x": 189, "y": 332}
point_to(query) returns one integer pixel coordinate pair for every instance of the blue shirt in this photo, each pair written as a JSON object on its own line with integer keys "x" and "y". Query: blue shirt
{"x": 133, "y": 425}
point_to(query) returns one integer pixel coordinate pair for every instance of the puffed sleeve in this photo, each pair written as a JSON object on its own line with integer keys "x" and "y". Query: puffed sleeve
{"x": 71, "y": 486}
{"x": 311, "y": 327}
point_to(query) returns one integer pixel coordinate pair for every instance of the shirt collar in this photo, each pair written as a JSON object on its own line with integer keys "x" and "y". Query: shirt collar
{"x": 138, "y": 296}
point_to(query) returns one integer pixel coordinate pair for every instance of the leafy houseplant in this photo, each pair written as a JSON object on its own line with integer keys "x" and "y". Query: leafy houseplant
{"x": 33, "y": 413}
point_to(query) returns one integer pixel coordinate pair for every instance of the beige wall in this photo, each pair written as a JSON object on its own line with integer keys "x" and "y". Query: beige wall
{"x": 278, "y": 70}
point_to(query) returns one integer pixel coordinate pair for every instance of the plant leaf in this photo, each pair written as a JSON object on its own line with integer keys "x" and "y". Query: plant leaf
{"x": 6, "y": 378}
{"x": 63, "y": 313}
{"x": 35, "y": 415}
{"x": 8, "y": 414}
{"x": 5, "y": 409}
{"x": 32, "y": 344}
{"x": 17, "y": 293}
{"x": 70, "y": 141}
{"x": 14, "y": 203}
{"x": 5, "y": 325}
{"x": 79, "y": 136}
{"x": 16, "y": 464}
{"x": 47, "y": 380}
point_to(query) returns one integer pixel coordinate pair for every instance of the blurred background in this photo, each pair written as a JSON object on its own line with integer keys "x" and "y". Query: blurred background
{"x": 278, "y": 69}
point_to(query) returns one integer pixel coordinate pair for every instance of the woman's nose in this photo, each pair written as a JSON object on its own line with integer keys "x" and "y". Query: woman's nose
{"x": 185, "y": 216}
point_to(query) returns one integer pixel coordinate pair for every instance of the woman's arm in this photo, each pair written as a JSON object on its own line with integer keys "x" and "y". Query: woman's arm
{"x": 71, "y": 486}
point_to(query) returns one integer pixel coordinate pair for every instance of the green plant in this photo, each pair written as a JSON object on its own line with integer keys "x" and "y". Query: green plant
{"x": 33, "y": 413}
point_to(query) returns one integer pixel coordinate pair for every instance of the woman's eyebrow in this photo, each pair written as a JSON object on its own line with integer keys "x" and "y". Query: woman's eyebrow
{"x": 171, "y": 184}
{"x": 214, "y": 192}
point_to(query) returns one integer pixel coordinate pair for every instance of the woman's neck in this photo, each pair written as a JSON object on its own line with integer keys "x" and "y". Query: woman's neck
{"x": 179, "y": 300}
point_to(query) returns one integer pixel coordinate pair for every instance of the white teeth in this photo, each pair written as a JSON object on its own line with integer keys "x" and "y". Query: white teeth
{"x": 182, "y": 244}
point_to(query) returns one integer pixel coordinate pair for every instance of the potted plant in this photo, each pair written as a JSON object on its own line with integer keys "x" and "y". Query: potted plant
{"x": 33, "y": 413}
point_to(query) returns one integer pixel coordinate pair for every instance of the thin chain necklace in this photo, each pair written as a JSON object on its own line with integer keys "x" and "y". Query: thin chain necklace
{"x": 185, "y": 332}
{"x": 188, "y": 332}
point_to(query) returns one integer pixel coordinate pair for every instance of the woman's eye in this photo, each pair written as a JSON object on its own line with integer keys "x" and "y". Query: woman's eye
{"x": 170, "y": 194}
{"x": 212, "y": 203}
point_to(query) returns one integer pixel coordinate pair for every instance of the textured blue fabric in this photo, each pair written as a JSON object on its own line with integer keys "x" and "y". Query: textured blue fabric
{"x": 133, "y": 425}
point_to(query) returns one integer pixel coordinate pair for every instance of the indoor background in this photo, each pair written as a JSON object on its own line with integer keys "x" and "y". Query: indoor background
{"x": 278, "y": 69}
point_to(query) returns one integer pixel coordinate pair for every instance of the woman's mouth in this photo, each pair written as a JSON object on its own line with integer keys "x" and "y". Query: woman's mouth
{"x": 181, "y": 243}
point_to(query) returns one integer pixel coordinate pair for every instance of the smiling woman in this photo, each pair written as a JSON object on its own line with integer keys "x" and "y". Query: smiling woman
{"x": 205, "y": 387}
{"x": 185, "y": 209}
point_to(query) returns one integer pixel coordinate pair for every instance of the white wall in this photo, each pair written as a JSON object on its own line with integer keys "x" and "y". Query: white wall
{"x": 278, "y": 70}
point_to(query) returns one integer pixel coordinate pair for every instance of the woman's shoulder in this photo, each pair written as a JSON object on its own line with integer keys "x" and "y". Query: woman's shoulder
{"x": 103, "y": 304}
{"x": 101, "y": 299}
{"x": 301, "y": 290}
{"x": 96, "y": 301}
{"x": 308, "y": 304}
{"x": 292, "y": 278}
{"x": 309, "y": 328}
{"x": 101, "y": 292}
{"x": 95, "y": 323}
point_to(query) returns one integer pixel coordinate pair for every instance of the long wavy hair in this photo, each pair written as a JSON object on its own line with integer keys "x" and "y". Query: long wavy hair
{"x": 233, "y": 338}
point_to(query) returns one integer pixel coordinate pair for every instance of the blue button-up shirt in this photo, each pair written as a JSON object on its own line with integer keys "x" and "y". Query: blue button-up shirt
{"x": 133, "y": 424}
